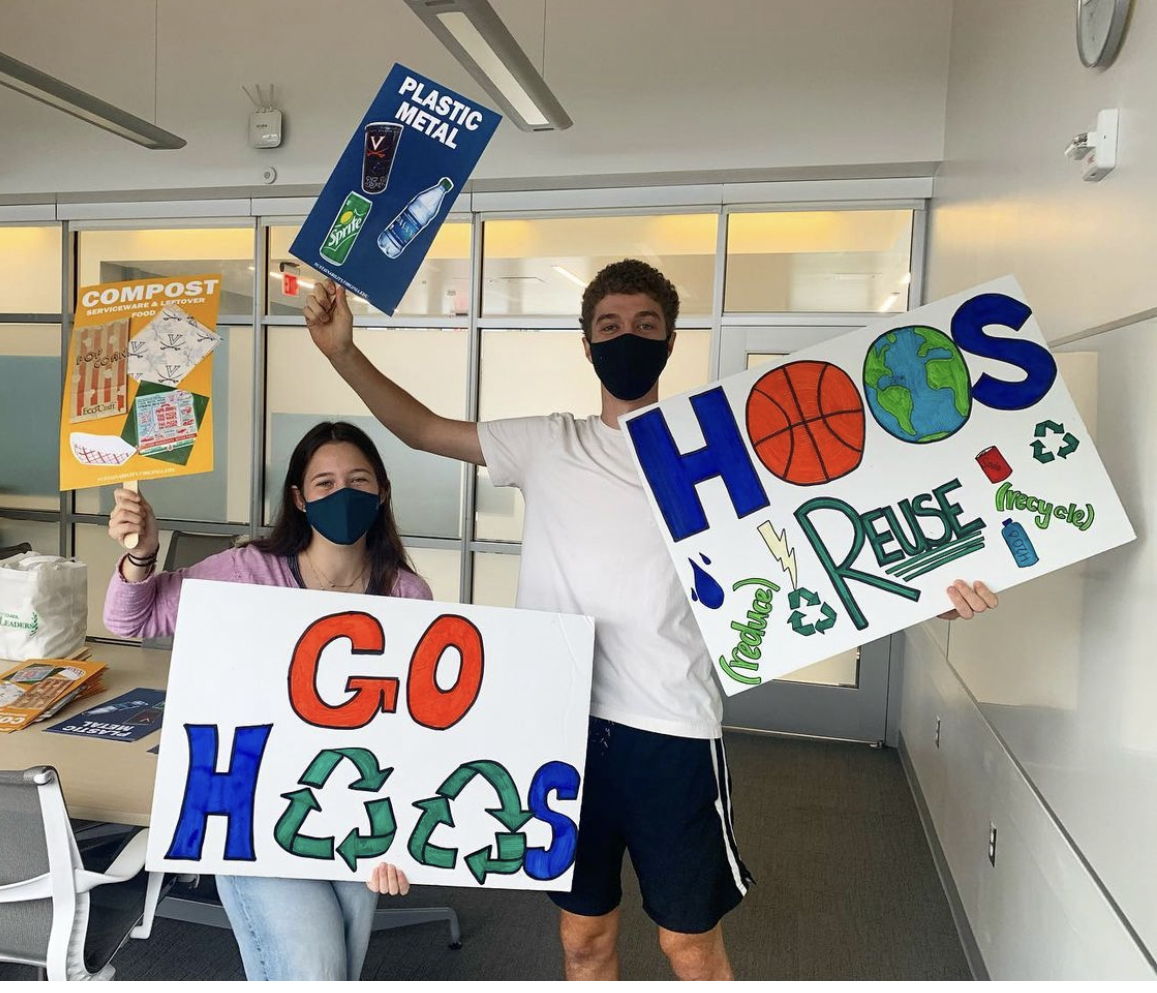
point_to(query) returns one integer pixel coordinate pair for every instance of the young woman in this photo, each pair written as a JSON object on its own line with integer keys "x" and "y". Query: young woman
{"x": 335, "y": 531}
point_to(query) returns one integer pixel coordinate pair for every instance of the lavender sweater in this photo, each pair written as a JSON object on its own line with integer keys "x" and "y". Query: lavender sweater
{"x": 148, "y": 609}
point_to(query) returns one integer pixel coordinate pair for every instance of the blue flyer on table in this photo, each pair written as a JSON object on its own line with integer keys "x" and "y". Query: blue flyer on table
{"x": 129, "y": 717}
{"x": 393, "y": 187}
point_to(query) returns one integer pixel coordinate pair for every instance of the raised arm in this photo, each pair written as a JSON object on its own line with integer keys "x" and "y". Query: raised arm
{"x": 330, "y": 323}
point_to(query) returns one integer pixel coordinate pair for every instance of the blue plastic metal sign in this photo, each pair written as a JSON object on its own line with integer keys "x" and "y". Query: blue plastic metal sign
{"x": 393, "y": 187}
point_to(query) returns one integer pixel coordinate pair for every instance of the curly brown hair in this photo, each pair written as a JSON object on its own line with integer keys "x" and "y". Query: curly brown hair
{"x": 630, "y": 276}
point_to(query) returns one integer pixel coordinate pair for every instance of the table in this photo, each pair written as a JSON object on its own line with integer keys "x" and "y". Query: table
{"x": 102, "y": 780}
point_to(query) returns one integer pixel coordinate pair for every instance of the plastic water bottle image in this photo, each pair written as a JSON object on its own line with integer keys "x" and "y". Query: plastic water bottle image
{"x": 413, "y": 219}
{"x": 1018, "y": 542}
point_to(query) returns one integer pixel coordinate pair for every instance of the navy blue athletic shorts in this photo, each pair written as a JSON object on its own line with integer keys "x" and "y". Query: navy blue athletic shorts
{"x": 667, "y": 801}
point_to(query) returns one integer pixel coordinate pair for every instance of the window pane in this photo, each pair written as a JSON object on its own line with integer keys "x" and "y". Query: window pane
{"x": 441, "y": 568}
{"x": 829, "y": 260}
{"x": 32, "y": 263}
{"x": 839, "y": 670}
{"x": 539, "y": 372}
{"x": 100, "y": 553}
{"x": 757, "y": 359}
{"x": 43, "y": 536}
{"x": 223, "y": 494}
{"x": 495, "y": 578}
{"x": 115, "y": 255}
{"x": 303, "y": 389}
{"x": 440, "y": 288}
{"x": 541, "y": 266}
{"x": 30, "y": 398}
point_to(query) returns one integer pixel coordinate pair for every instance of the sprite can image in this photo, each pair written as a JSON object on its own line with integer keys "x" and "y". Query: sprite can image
{"x": 345, "y": 229}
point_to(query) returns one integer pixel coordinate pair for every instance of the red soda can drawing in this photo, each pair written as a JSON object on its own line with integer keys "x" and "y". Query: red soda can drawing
{"x": 994, "y": 465}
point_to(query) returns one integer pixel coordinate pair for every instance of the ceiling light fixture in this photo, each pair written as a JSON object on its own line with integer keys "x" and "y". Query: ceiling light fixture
{"x": 476, "y": 37}
{"x": 56, "y": 93}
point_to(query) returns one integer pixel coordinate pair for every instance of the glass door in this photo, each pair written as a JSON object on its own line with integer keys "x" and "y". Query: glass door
{"x": 845, "y": 696}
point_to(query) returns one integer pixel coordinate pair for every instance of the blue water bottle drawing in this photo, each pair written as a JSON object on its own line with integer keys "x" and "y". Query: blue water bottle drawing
{"x": 413, "y": 218}
{"x": 1019, "y": 544}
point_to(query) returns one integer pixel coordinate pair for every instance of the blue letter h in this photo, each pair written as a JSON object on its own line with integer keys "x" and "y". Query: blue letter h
{"x": 230, "y": 794}
{"x": 673, "y": 476}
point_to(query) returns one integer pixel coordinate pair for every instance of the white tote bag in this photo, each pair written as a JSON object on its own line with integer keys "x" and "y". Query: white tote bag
{"x": 43, "y": 606}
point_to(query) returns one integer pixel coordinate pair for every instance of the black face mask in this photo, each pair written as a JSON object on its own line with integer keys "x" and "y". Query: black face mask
{"x": 627, "y": 365}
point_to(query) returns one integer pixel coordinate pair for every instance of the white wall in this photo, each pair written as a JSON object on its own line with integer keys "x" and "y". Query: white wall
{"x": 1007, "y": 199}
{"x": 652, "y": 85}
{"x": 1051, "y": 734}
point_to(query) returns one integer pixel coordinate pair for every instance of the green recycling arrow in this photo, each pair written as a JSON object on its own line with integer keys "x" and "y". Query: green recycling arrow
{"x": 827, "y": 620}
{"x": 510, "y": 815}
{"x": 382, "y": 829}
{"x": 511, "y": 851}
{"x": 1069, "y": 446}
{"x": 797, "y": 619}
{"x": 287, "y": 832}
{"x": 1040, "y": 453}
{"x": 804, "y": 594}
{"x": 435, "y": 811}
{"x": 363, "y": 759}
{"x": 1044, "y": 427}
{"x": 797, "y": 624}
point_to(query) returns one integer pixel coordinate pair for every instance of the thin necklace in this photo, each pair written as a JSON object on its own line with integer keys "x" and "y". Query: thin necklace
{"x": 329, "y": 582}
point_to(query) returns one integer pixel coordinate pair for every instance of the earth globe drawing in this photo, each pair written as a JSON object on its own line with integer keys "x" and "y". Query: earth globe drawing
{"x": 917, "y": 384}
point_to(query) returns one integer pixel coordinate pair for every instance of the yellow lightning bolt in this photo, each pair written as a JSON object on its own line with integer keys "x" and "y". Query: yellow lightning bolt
{"x": 776, "y": 542}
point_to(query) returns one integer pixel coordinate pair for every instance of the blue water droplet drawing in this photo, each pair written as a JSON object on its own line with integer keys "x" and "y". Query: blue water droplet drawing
{"x": 706, "y": 590}
{"x": 706, "y": 560}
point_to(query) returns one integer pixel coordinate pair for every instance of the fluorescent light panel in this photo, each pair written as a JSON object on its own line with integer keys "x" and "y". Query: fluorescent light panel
{"x": 478, "y": 48}
{"x": 475, "y": 35}
{"x": 56, "y": 93}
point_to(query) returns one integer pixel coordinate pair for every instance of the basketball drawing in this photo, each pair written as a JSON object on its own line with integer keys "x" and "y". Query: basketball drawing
{"x": 806, "y": 422}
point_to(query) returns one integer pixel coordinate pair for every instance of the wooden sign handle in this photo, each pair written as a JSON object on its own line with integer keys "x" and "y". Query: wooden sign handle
{"x": 130, "y": 540}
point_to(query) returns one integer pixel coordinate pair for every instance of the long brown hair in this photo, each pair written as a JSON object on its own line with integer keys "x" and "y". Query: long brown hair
{"x": 291, "y": 532}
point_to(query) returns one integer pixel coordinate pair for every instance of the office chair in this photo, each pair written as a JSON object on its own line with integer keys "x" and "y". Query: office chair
{"x": 186, "y": 549}
{"x": 56, "y": 913}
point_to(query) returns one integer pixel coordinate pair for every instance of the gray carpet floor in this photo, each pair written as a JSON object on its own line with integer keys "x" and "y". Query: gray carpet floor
{"x": 845, "y": 889}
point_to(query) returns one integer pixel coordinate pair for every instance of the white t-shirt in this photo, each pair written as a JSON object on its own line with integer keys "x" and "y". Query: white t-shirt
{"x": 590, "y": 545}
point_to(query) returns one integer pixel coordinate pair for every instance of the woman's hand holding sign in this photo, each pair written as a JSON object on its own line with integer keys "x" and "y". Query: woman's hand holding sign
{"x": 387, "y": 878}
{"x": 133, "y": 515}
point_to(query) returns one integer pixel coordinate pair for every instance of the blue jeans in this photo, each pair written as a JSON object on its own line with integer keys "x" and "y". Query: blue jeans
{"x": 299, "y": 928}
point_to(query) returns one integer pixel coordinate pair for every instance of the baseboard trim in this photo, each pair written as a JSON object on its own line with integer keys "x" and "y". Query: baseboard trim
{"x": 955, "y": 904}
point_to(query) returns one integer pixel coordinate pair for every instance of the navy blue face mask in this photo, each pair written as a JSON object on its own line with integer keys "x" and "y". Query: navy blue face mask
{"x": 343, "y": 517}
{"x": 628, "y": 365}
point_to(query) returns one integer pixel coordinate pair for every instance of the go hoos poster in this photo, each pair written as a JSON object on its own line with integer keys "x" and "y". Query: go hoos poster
{"x": 313, "y": 734}
{"x": 139, "y": 380}
{"x": 830, "y": 500}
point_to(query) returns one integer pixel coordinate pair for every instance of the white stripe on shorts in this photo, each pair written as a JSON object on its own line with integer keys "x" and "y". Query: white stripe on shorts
{"x": 725, "y": 820}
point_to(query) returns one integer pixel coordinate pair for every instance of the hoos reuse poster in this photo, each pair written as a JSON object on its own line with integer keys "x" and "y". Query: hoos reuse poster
{"x": 830, "y": 500}
{"x": 393, "y": 187}
{"x": 311, "y": 735}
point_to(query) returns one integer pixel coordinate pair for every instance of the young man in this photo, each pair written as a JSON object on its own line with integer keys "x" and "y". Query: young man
{"x": 656, "y": 782}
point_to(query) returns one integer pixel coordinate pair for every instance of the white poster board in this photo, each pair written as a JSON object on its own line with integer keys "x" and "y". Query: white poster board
{"x": 312, "y": 734}
{"x": 831, "y": 499}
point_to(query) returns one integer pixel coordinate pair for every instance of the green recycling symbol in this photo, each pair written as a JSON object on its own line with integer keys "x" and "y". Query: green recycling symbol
{"x": 1069, "y": 443}
{"x": 507, "y": 854}
{"x": 803, "y": 595}
{"x": 303, "y": 802}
